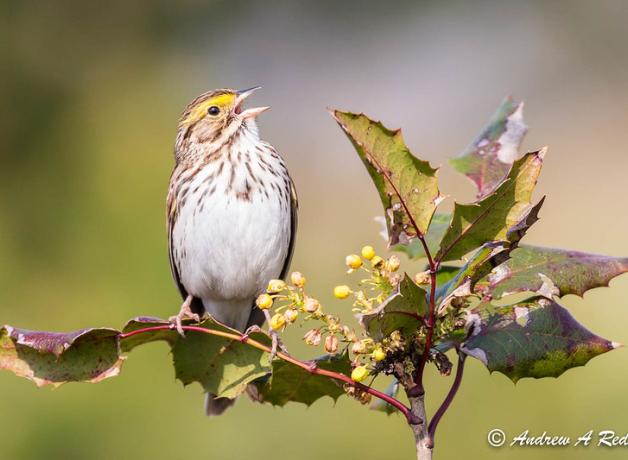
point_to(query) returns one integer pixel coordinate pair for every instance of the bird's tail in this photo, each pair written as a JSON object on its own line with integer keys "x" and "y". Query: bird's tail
{"x": 216, "y": 406}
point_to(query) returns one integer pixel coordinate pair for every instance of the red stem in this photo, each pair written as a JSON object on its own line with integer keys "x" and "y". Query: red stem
{"x": 431, "y": 319}
{"x": 449, "y": 398}
{"x": 310, "y": 367}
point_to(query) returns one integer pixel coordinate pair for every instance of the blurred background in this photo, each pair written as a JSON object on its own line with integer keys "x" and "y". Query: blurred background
{"x": 90, "y": 95}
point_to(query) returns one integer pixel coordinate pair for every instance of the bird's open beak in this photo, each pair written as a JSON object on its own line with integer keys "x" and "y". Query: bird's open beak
{"x": 248, "y": 113}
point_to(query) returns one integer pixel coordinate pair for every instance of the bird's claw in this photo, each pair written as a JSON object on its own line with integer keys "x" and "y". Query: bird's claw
{"x": 176, "y": 322}
{"x": 249, "y": 331}
{"x": 184, "y": 313}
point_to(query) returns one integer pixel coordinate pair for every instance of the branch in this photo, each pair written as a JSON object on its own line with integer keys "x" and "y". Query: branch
{"x": 449, "y": 398}
{"x": 431, "y": 319}
{"x": 308, "y": 366}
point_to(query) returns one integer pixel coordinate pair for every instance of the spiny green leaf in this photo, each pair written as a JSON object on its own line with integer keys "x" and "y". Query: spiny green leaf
{"x": 290, "y": 383}
{"x": 535, "y": 338}
{"x": 480, "y": 264}
{"x": 440, "y": 225}
{"x": 407, "y": 186}
{"x": 516, "y": 233}
{"x": 489, "y": 158}
{"x": 491, "y": 218}
{"x": 52, "y": 358}
{"x": 222, "y": 366}
{"x": 570, "y": 272}
{"x": 402, "y": 311}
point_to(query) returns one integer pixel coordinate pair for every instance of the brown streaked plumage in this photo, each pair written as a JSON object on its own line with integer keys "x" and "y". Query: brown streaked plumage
{"x": 231, "y": 214}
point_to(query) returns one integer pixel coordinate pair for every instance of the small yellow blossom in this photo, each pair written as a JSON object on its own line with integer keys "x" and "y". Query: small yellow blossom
{"x": 342, "y": 292}
{"x": 359, "y": 374}
{"x": 291, "y": 315}
{"x": 368, "y": 252}
{"x": 275, "y": 286}
{"x": 422, "y": 278}
{"x": 277, "y": 321}
{"x": 353, "y": 261}
{"x": 376, "y": 261}
{"x": 378, "y": 354}
{"x": 264, "y": 302}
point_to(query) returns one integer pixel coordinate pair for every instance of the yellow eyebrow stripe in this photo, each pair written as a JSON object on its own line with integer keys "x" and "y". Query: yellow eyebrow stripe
{"x": 198, "y": 112}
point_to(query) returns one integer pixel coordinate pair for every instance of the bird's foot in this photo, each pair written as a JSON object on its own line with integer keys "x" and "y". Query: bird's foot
{"x": 249, "y": 331}
{"x": 276, "y": 341}
{"x": 184, "y": 313}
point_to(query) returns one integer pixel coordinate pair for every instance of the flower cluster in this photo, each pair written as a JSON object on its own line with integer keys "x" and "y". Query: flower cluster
{"x": 382, "y": 279}
{"x": 290, "y": 302}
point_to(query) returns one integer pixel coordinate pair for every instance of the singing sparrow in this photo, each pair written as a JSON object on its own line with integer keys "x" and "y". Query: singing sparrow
{"x": 231, "y": 214}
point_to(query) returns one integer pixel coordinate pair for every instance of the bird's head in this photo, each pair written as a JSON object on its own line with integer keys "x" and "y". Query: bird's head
{"x": 217, "y": 114}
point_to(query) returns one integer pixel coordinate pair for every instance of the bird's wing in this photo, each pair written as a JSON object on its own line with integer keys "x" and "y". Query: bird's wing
{"x": 171, "y": 217}
{"x": 257, "y": 317}
{"x": 294, "y": 208}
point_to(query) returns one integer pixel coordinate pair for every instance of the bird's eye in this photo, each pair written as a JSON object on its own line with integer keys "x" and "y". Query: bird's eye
{"x": 213, "y": 110}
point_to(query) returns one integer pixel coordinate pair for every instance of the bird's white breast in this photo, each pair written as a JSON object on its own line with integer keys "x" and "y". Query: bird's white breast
{"x": 232, "y": 231}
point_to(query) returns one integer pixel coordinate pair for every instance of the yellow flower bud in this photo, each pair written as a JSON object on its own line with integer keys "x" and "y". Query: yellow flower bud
{"x": 311, "y": 305}
{"x": 376, "y": 261}
{"x": 378, "y": 354}
{"x": 291, "y": 315}
{"x": 359, "y": 374}
{"x": 393, "y": 263}
{"x": 297, "y": 279}
{"x": 312, "y": 337}
{"x": 368, "y": 252}
{"x": 353, "y": 261}
{"x": 331, "y": 344}
{"x": 422, "y": 278}
{"x": 264, "y": 302}
{"x": 342, "y": 292}
{"x": 275, "y": 286}
{"x": 277, "y": 321}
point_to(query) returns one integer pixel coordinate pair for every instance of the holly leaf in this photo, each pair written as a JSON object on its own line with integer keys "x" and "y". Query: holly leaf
{"x": 290, "y": 383}
{"x": 568, "y": 272}
{"x": 492, "y": 217}
{"x": 222, "y": 366}
{"x": 535, "y": 338}
{"x": 489, "y": 158}
{"x": 407, "y": 186}
{"x": 404, "y": 311}
{"x": 479, "y": 265}
{"x": 54, "y": 358}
